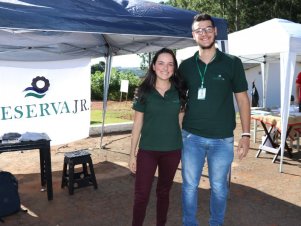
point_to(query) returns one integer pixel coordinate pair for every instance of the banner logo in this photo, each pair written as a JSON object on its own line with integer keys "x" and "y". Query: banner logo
{"x": 39, "y": 87}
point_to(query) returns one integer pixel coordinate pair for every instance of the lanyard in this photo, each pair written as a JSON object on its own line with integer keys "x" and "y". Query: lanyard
{"x": 202, "y": 75}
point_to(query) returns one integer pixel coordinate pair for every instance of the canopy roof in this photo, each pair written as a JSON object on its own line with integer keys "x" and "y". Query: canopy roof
{"x": 41, "y": 30}
{"x": 263, "y": 42}
{"x": 46, "y": 30}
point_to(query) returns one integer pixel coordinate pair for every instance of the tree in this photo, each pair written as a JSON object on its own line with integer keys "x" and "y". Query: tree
{"x": 98, "y": 67}
{"x": 97, "y": 85}
{"x": 115, "y": 80}
{"x": 146, "y": 60}
{"x": 242, "y": 14}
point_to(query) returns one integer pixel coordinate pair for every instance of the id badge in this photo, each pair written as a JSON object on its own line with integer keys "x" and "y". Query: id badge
{"x": 202, "y": 94}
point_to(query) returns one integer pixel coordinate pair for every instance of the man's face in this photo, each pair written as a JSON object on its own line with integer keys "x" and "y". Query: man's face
{"x": 204, "y": 34}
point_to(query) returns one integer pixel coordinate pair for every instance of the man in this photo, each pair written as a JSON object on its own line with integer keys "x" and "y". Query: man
{"x": 298, "y": 93}
{"x": 211, "y": 78}
{"x": 255, "y": 96}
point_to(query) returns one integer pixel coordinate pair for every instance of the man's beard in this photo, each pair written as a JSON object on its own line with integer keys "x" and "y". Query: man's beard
{"x": 208, "y": 47}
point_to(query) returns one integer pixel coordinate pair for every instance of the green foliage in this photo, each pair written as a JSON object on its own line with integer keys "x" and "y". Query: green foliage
{"x": 97, "y": 85}
{"x": 98, "y": 67}
{"x": 114, "y": 88}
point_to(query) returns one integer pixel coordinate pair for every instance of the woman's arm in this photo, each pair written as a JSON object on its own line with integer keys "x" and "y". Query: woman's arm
{"x": 181, "y": 116}
{"x": 136, "y": 131}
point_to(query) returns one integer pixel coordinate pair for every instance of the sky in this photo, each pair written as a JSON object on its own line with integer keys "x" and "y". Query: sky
{"x": 131, "y": 60}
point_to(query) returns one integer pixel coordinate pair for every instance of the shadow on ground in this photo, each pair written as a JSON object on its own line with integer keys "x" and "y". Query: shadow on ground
{"x": 111, "y": 204}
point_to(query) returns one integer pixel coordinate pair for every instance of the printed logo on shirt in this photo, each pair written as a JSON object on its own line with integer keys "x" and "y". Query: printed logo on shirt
{"x": 219, "y": 78}
{"x": 176, "y": 101}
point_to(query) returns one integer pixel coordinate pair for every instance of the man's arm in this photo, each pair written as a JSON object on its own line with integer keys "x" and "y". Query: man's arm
{"x": 243, "y": 103}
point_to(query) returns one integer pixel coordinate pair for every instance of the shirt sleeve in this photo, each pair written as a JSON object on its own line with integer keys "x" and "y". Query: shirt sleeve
{"x": 240, "y": 83}
{"x": 298, "y": 80}
{"x": 138, "y": 105}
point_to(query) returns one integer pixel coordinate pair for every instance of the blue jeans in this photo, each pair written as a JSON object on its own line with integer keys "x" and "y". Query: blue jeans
{"x": 219, "y": 154}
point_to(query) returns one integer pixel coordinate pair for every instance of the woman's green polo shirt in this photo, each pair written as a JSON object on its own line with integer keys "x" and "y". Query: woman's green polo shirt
{"x": 160, "y": 130}
{"x": 213, "y": 117}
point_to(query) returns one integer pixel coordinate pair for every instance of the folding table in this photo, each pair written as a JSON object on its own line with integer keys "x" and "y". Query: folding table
{"x": 273, "y": 121}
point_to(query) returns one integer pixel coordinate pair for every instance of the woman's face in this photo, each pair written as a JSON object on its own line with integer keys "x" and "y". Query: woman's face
{"x": 164, "y": 66}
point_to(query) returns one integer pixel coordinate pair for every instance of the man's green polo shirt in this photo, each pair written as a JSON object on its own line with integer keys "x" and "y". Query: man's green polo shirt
{"x": 160, "y": 130}
{"x": 213, "y": 117}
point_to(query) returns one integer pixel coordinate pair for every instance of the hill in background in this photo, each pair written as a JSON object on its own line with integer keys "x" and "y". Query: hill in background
{"x": 136, "y": 70}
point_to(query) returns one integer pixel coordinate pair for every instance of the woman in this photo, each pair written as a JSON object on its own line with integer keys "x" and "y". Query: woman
{"x": 159, "y": 106}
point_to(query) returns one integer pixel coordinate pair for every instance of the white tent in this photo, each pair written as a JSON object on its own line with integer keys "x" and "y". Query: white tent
{"x": 271, "y": 41}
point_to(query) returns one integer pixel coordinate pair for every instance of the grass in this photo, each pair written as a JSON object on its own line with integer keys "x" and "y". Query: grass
{"x": 112, "y": 116}
{"x": 117, "y": 112}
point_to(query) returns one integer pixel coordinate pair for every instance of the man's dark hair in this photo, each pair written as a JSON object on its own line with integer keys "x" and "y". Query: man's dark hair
{"x": 202, "y": 17}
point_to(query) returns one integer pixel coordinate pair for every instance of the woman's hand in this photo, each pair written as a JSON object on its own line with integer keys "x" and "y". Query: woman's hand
{"x": 133, "y": 163}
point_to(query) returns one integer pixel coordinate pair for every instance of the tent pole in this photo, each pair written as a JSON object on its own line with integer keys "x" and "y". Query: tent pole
{"x": 106, "y": 82}
{"x": 264, "y": 75}
{"x": 287, "y": 69}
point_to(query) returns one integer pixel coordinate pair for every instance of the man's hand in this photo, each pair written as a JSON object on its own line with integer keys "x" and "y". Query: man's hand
{"x": 243, "y": 147}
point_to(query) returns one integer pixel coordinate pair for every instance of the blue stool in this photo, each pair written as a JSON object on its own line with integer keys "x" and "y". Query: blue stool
{"x": 73, "y": 179}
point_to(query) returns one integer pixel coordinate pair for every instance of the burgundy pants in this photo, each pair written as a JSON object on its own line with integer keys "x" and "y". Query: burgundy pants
{"x": 147, "y": 163}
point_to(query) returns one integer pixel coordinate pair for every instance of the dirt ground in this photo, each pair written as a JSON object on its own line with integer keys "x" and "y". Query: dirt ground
{"x": 259, "y": 194}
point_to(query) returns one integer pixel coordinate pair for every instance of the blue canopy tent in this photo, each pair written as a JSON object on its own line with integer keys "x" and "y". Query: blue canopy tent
{"x": 45, "y": 30}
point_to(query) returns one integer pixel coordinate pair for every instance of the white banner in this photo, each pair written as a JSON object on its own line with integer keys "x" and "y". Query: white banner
{"x": 50, "y": 97}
